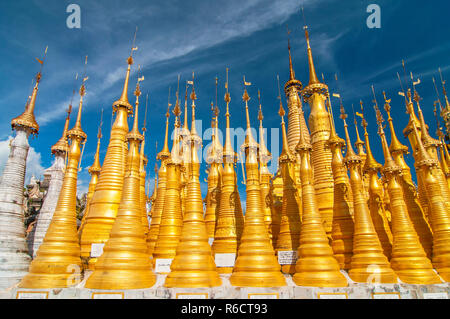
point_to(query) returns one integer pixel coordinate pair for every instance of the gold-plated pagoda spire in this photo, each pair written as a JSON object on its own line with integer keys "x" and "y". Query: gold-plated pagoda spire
{"x": 359, "y": 144}
{"x": 193, "y": 265}
{"x": 256, "y": 264}
{"x": 94, "y": 171}
{"x": 289, "y": 233}
{"x": 60, "y": 251}
{"x": 431, "y": 146}
{"x": 342, "y": 230}
{"x": 164, "y": 155}
{"x": 171, "y": 217}
{"x": 108, "y": 192}
{"x": 408, "y": 132}
{"x": 214, "y": 185}
{"x": 316, "y": 265}
{"x": 292, "y": 88}
{"x": 376, "y": 195}
{"x": 443, "y": 151}
{"x": 264, "y": 174}
{"x": 230, "y": 221}
{"x": 408, "y": 258}
{"x": 315, "y": 93}
{"x": 440, "y": 215}
{"x": 415, "y": 211}
{"x": 368, "y": 257}
{"x": 143, "y": 173}
{"x": 445, "y": 111}
{"x": 125, "y": 263}
{"x": 27, "y": 119}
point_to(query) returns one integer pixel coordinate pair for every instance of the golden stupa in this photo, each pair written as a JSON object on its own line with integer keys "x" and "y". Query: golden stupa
{"x": 214, "y": 178}
{"x": 57, "y": 263}
{"x": 368, "y": 257}
{"x": 230, "y": 221}
{"x": 343, "y": 225}
{"x": 256, "y": 264}
{"x": 125, "y": 263}
{"x": 264, "y": 174}
{"x": 193, "y": 265}
{"x": 415, "y": 211}
{"x": 316, "y": 93}
{"x": 289, "y": 233}
{"x": 408, "y": 258}
{"x": 376, "y": 195}
{"x": 94, "y": 171}
{"x": 316, "y": 264}
{"x": 108, "y": 192}
{"x": 158, "y": 204}
{"x": 171, "y": 217}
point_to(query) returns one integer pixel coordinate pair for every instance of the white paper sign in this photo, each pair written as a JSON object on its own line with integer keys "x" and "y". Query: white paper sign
{"x": 225, "y": 260}
{"x": 210, "y": 240}
{"x": 263, "y": 296}
{"x": 332, "y": 296}
{"x": 385, "y": 295}
{"x": 162, "y": 265}
{"x": 32, "y": 295}
{"x": 97, "y": 250}
{"x": 192, "y": 296}
{"x": 435, "y": 295}
{"x": 287, "y": 257}
{"x": 109, "y": 295}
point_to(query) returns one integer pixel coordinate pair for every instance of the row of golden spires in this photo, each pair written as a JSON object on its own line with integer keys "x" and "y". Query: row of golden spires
{"x": 325, "y": 197}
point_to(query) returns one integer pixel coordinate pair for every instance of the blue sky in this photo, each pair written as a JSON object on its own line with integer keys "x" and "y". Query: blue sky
{"x": 178, "y": 37}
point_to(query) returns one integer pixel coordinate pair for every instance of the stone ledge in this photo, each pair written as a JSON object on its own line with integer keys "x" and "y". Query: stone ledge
{"x": 226, "y": 291}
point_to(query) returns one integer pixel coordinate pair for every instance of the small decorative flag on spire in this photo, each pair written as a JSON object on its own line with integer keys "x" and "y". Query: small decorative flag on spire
{"x": 247, "y": 83}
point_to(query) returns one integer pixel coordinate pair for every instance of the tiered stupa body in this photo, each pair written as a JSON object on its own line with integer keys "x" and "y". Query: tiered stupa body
{"x": 171, "y": 217}
{"x": 264, "y": 175}
{"x": 56, "y": 172}
{"x": 368, "y": 258}
{"x": 214, "y": 185}
{"x": 408, "y": 258}
{"x": 415, "y": 211}
{"x": 158, "y": 205}
{"x": 193, "y": 265}
{"x": 292, "y": 89}
{"x": 256, "y": 264}
{"x": 230, "y": 221}
{"x": 316, "y": 265}
{"x": 185, "y": 153}
{"x": 408, "y": 132}
{"x": 376, "y": 193}
{"x": 342, "y": 231}
{"x": 14, "y": 258}
{"x": 431, "y": 145}
{"x": 142, "y": 195}
{"x": 107, "y": 195}
{"x": 289, "y": 233}
{"x": 94, "y": 170}
{"x": 58, "y": 263}
{"x": 125, "y": 262}
{"x": 440, "y": 216}
{"x": 315, "y": 93}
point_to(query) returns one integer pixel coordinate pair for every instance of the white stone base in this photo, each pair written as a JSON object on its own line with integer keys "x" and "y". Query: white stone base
{"x": 226, "y": 291}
